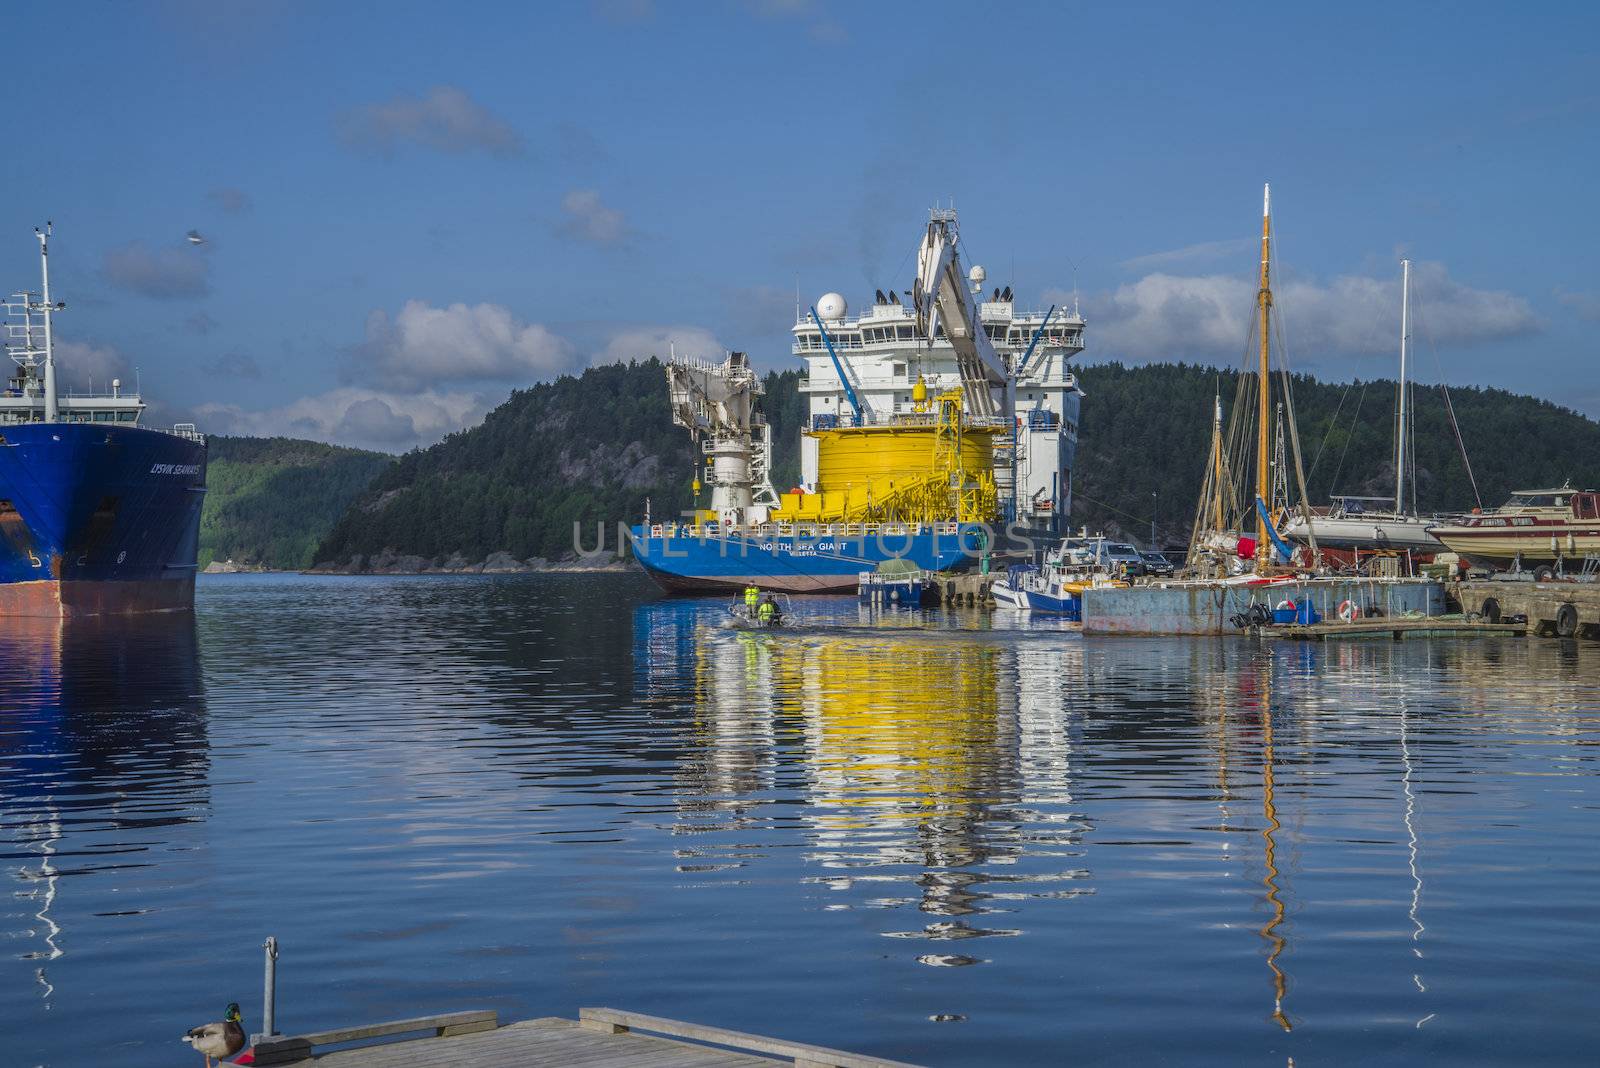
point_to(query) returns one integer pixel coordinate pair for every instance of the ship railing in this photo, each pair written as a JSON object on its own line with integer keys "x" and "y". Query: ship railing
{"x": 186, "y": 431}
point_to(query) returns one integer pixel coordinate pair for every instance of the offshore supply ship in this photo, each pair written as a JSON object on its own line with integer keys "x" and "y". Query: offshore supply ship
{"x": 98, "y": 514}
{"x": 932, "y": 426}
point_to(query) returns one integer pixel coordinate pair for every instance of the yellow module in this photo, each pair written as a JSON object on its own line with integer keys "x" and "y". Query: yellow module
{"x": 927, "y": 468}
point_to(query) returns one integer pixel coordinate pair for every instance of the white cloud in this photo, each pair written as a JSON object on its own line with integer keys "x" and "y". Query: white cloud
{"x": 1166, "y": 316}
{"x": 446, "y": 119}
{"x": 171, "y": 272}
{"x": 627, "y": 12}
{"x": 588, "y": 218}
{"x": 1585, "y": 305}
{"x": 819, "y": 25}
{"x": 371, "y": 419}
{"x": 642, "y": 342}
{"x": 84, "y": 365}
{"x": 1205, "y": 250}
{"x": 424, "y": 345}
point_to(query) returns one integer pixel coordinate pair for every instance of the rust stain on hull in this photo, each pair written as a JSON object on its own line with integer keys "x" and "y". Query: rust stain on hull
{"x": 51, "y": 599}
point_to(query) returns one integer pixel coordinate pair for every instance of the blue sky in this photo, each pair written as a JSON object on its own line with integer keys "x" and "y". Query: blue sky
{"x": 411, "y": 209}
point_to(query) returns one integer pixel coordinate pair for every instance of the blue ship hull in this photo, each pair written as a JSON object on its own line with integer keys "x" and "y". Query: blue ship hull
{"x": 686, "y": 561}
{"x": 98, "y": 519}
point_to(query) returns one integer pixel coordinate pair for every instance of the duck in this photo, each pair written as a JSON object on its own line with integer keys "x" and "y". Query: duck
{"x": 219, "y": 1040}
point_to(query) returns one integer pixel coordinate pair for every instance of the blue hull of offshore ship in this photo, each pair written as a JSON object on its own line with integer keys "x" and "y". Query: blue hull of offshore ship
{"x": 98, "y": 519}
{"x": 685, "y": 561}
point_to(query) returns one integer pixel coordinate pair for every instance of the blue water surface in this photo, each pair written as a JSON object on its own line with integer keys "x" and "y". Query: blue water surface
{"x": 949, "y": 839}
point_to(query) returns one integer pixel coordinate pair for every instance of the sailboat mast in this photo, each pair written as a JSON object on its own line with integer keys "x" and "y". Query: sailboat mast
{"x": 1218, "y": 520}
{"x": 1400, "y": 426}
{"x": 1264, "y": 301}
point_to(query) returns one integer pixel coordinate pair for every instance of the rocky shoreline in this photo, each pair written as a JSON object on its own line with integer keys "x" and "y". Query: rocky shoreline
{"x": 389, "y": 562}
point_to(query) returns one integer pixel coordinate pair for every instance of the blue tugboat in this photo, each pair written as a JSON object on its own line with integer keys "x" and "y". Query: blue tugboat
{"x": 98, "y": 514}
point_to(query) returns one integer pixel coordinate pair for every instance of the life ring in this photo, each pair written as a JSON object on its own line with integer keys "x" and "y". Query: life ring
{"x": 1285, "y": 605}
{"x": 1349, "y": 611}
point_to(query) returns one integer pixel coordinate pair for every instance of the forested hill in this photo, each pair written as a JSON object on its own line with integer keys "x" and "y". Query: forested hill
{"x": 1147, "y": 430}
{"x": 270, "y": 501}
{"x": 594, "y": 447}
{"x": 579, "y": 449}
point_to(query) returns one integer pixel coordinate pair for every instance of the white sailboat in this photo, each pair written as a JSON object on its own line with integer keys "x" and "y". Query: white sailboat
{"x": 1368, "y": 523}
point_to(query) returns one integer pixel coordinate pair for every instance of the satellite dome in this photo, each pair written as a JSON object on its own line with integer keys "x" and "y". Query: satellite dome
{"x": 977, "y": 275}
{"x": 832, "y": 306}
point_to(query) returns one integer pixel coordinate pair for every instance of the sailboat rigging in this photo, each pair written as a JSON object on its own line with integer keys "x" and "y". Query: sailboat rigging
{"x": 1356, "y": 523}
{"x": 1221, "y": 545}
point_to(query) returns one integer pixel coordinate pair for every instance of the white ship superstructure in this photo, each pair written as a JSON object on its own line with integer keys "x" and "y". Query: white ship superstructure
{"x": 882, "y": 353}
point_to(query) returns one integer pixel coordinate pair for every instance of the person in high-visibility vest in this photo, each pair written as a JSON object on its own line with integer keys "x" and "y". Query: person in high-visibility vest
{"x": 752, "y": 596}
{"x": 768, "y": 611}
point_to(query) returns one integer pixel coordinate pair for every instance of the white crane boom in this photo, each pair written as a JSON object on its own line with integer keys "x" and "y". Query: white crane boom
{"x": 942, "y": 297}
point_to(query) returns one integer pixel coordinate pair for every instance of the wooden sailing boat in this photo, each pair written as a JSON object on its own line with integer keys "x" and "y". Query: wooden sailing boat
{"x": 1233, "y": 533}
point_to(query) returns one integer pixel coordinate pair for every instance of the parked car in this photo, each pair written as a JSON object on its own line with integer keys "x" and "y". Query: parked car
{"x": 1120, "y": 556}
{"x": 1156, "y": 564}
{"x": 1114, "y": 557}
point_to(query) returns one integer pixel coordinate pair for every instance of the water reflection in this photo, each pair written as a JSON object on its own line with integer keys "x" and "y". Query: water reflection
{"x": 937, "y": 765}
{"x": 88, "y": 703}
{"x": 969, "y": 775}
{"x": 537, "y": 792}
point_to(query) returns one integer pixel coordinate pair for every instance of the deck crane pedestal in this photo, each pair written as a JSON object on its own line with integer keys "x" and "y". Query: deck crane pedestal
{"x": 717, "y": 405}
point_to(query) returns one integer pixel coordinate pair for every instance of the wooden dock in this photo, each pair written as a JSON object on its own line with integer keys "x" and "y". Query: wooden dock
{"x": 1396, "y": 628}
{"x": 599, "y": 1038}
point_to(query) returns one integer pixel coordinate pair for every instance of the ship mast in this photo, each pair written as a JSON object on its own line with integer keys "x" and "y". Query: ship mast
{"x": 1400, "y": 429}
{"x": 49, "y": 345}
{"x": 1264, "y": 302}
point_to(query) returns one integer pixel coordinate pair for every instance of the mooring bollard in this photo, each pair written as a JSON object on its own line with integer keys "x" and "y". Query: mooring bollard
{"x": 269, "y": 993}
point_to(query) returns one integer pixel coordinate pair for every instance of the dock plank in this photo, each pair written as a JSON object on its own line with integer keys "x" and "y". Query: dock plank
{"x": 544, "y": 1041}
{"x": 1396, "y": 628}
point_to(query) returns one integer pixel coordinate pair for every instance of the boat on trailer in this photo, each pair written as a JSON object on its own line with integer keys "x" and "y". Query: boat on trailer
{"x": 1550, "y": 529}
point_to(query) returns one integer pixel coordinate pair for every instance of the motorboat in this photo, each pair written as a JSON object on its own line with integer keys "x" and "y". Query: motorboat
{"x": 1053, "y": 585}
{"x": 1548, "y": 528}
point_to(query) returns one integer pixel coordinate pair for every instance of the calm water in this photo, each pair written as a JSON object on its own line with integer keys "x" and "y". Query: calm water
{"x": 955, "y": 840}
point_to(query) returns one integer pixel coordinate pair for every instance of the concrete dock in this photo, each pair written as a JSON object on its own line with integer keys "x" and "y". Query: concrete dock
{"x": 599, "y": 1038}
{"x": 1209, "y": 608}
{"x": 1562, "y": 609}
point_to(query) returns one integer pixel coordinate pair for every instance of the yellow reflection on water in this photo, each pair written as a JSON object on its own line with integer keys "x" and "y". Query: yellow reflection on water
{"x": 921, "y": 754}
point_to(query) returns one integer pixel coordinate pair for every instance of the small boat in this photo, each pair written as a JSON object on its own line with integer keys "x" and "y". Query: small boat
{"x": 1053, "y": 585}
{"x": 1548, "y": 528}
{"x": 894, "y": 583}
{"x": 744, "y": 617}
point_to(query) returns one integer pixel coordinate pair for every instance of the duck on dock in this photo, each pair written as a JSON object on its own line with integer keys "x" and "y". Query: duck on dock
{"x": 221, "y": 1039}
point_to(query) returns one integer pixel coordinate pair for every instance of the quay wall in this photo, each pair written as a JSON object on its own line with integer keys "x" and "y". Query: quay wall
{"x": 1205, "y": 608}
{"x": 1554, "y": 609}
